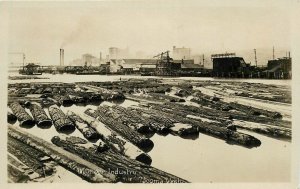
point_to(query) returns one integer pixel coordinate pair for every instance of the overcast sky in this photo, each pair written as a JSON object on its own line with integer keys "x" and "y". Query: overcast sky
{"x": 41, "y": 29}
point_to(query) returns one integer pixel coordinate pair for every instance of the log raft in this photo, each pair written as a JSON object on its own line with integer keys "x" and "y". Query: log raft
{"x": 116, "y": 142}
{"x": 29, "y": 156}
{"x": 129, "y": 134}
{"x": 106, "y": 94}
{"x": 123, "y": 116}
{"x": 126, "y": 170}
{"x": 23, "y": 117}
{"x": 211, "y": 129}
{"x": 75, "y": 164}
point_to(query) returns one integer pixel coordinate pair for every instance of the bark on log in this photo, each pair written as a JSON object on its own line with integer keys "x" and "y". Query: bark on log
{"x": 77, "y": 165}
{"x": 146, "y": 120}
{"x": 24, "y": 118}
{"x": 166, "y": 121}
{"x": 39, "y": 91}
{"x": 89, "y": 97}
{"x": 126, "y": 170}
{"x": 29, "y": 156}
{"x": 129, "y": 134}
{"x": 106, "y": 94}
{"x": 123, "y": 116}
{"x": 61, "y": 122}
{"x": 47, "y": 90}
{"x": 213, "y": 130}
{"x": 87, "y": 131}
{"x": 63, "y": 100}
{"x": 77, "y": 99}
{"x": 269, "y": 130}
{"x": 40, "y": 116}
{"x": 222, "y": 116}
{"x": 114, "y": 140}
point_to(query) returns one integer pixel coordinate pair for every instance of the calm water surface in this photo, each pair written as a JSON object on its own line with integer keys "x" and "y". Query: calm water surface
{"x": 205, "y": 159}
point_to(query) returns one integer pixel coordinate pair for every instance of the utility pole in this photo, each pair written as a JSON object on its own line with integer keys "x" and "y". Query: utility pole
{"x": 255, "y": 57}
{"x": 23, "y": 61}
{"x": 273, "y": 53}
{"x": 203, "y": 60}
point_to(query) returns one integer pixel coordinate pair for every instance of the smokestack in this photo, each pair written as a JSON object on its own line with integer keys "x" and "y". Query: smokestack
{"x": 255, "y": 57}
{"x": 61, "y": 57}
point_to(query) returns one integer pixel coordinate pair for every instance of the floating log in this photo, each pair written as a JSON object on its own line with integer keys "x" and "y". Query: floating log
{"x": 269, "y": 130}
{"x": 24, "y": 91}
{"x": 47, "y": 90}
{"x": 143, "y": 119}
{"x": 114, "y": 140}
{"x": 126, "y": 170}
{"x": 40, "y": 116}
{"x": 89, "y": 97}
{"x": 99, "y": 145}
{"x": 62, "y": 90}
{"x": 39, "y": 91}
{"x": 61, "y": 122}
{"x": 224, "y": 106}
{"x": 87, "y": 131}
{"x": 123, "y": 116}
{"x": 77, "y": 99}
{"x": 63, "y": 100}
{"x": 29, "y": 156}
{"x": 16, "y": 175}
{"x": 55, "y": 90}
{"x": 162, "y": 97}
{"x": 11, "y": 118}
{"x": 106, "y": 94}
{"x": 213, "y": 130}
{"x": 23, "y": 117}
{"x": 222, "y": 116}
{"x": 129, "y": 134}
{"x": 77, "y": 165}
{"x": 185, "y": 131}
{"x": 167, "y": 122}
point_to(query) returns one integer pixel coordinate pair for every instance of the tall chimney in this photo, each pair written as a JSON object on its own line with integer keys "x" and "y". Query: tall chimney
{"x": 61, "y": 57}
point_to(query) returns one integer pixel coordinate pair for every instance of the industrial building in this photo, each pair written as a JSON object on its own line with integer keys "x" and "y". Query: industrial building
{"x": 229, "y": 65}
{"x": 181, "y": 53}
{"x": 280, "y": 68}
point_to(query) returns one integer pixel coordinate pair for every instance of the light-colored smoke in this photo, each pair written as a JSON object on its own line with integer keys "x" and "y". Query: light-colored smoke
{"x": 82, "y": 26}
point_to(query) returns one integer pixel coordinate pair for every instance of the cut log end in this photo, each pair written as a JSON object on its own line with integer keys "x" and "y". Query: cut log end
{"x": 67, "y": 128}
{"x": 11, "y": 118}
{"x": 67, "y": 103}
{"x": 144, "y": 158}
{"x": 44, "y": 124}
{"x": 27, "y": 123}
{"x": 146, "y": 145}
{"x": 145, "y": 130}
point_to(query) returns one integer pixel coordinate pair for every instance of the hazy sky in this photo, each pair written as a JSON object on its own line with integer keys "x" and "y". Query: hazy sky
{"x": 41, "y": 29}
